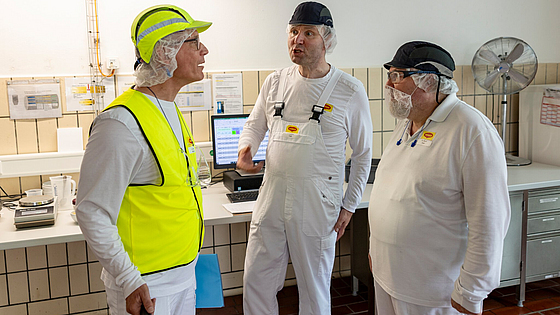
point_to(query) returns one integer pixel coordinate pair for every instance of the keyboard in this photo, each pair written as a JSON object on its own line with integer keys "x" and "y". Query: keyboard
{"x": 244, "y": 195}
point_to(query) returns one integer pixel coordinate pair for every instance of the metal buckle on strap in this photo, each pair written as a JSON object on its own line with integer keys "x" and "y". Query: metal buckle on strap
{"x": 278, "y": 107}
{"x": 317, "y": 112}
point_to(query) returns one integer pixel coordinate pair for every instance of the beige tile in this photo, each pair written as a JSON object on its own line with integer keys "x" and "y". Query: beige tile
{"x": 238, "y": 256}
{"x": 477, "y": 88}
{"x": 88, "y": 302}
{"x": 10, "y": 185}
{"x": 47, "y": 135}
{"x": 56, "y": 254}
{"x": 377, "y": 145}
{"x": 68, "y": 121}
{"x": 3, "y": 291}
{"x": 376, "y": 81}
{"x": 59, "y": 282}
{"x": 90, "y": 254}
{"x": 4, "y": 105}
{"x": 30, "y": 182}
{"x": 14, "y": 310}
{"x": 250, "y": 87}
{"x": 208, "y": 250}
{"x": 386, "y": 136}
{"x": 36, "y": 257}
{"x": 78, "y": 279}
{"x": 223, "y": 258}
{"x": 208, "y": 236}
{"x": 480, "y": 103}
{"x": 188, "y": 119}
{"x": 201, "y": 126}
{"x": 551, "y": 72}
{"x": 347, "y": 70}
{"x": 262, "y": 77}
{"x": 232, "y": 280}
{"x": 26, "y": 130}
{"x": 345, "y": 263}
{"x": 469, "y": 100}
{"x": 76, "y": 252}
{"x": 17, "y": 287}
{"x": 376, "y": 112}
{"x": 221, "y": 234}
{"x": 50, "y": 307}
{"x": 15, "y": 260}
{"x": 468, "y": 81}
{"x": 95, "y": 282}
{"x": 389, "y": 122}
{"x": 2, "y": 262}
{"x": 513, "y": 108}
{"x": 458, "y": 78}
{"x": 362, "y": 75}
{"x": 84, "y": 121}
{"x": 247, "y": 109}
{"x": 39, "y": 284}
{"x": 102, "y": 312}
{"x": 238, "y": 232}
{"x": 540, "y": 78}
{"x": 7, "y": 136}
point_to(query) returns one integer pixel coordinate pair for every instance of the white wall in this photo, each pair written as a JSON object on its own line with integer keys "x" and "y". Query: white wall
{"x": 46, "y": 38}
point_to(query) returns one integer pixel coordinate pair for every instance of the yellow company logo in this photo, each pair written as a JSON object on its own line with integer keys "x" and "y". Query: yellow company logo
{"x": 428, "y": 135}
{"x": 328, "y": 108}
{"x": 292, "y": 129}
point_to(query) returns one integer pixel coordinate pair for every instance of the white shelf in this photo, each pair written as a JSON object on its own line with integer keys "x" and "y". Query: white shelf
{"x": 40, "y": 163}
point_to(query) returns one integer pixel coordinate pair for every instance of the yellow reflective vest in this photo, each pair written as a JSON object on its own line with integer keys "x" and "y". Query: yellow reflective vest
{"x": 161, "y": 225}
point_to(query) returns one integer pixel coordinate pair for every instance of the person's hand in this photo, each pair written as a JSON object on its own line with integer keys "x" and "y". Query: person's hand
{"x": 245, "y": 161}
{"x": 461, "y": 309}
{"x": 343, "y": 219}
{"x": 138, "y": 297}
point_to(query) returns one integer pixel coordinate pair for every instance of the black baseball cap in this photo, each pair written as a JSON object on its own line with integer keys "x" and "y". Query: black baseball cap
{"x": 312, "y": 13}
{"x": 423, "y": 56}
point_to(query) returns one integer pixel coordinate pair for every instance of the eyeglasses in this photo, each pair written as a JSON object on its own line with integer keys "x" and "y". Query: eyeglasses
{"x": 397, "y": 76}
{"x": 196, "y": 40}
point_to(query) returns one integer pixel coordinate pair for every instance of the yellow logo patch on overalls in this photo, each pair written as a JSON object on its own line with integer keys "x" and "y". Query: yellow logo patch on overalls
{"x": 292, "y": 129}
{"x": 428, "y": 135}
{"x": 328, "y": 108}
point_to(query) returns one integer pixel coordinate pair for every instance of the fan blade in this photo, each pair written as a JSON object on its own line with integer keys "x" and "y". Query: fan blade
{"x": 515, "y": 53}
{"x": 490, "y": 56}
{"x": 490, "y": 79}
{"x": 518, "y": 76}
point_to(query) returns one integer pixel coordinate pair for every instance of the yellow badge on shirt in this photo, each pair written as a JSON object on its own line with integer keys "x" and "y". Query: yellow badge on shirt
{"x": 292, "y": 129}
{"x": 328, "y": 107}
{"x": 427, "y": 138}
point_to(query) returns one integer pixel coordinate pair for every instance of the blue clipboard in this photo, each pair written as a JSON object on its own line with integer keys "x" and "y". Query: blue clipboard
{"x": 209, "y": 292}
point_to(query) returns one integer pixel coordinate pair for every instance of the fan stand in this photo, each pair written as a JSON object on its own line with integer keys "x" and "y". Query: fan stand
{"x": 510, "y": 159}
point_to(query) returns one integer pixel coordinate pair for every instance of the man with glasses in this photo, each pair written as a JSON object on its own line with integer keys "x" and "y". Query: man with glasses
{"x": 311, "y": 109}
{"x": 439, "y": 208}
{"x": 139, "y": 205}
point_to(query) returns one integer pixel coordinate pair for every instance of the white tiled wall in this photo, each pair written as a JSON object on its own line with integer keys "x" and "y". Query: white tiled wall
{"x": 64, "y": 278}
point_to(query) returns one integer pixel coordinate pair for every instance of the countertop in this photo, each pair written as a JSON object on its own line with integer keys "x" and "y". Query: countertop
{"x": 533, "y": 176}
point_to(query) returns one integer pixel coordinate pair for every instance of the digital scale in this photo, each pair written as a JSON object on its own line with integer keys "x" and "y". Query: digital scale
{"x": 35, "y": 211}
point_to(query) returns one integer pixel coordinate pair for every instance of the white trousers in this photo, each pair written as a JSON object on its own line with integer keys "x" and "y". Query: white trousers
{"x": 388, "y": 305}
{"x": 181, "y": 303}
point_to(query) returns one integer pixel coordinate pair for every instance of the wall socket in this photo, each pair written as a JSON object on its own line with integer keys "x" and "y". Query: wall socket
{"x": 112, "y": 63}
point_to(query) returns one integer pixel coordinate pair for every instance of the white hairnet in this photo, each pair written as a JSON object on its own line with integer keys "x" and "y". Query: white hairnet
{"x": 163, "y": 62}
{"x": 429, "y": 83}
{"x": 327, "y": 33}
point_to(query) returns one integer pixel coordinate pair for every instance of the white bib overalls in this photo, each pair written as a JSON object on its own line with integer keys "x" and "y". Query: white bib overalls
{"x": 298, "y": 206}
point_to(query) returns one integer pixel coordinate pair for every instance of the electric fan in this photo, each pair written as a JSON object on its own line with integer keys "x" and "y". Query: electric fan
{"x": 505, "y": 65}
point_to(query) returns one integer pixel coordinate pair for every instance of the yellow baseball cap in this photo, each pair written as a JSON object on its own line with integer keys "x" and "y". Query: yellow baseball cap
{"x": 158, "y": 21}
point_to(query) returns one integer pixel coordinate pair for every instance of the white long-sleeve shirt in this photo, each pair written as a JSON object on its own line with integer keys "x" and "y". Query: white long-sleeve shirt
{"x": 117, "y": 155}
{"x": 439, "y": 211}
{"x": 349, "y": 120}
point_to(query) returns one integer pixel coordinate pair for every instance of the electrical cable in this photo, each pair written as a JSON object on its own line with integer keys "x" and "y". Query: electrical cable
{"x": 97, "y": 43}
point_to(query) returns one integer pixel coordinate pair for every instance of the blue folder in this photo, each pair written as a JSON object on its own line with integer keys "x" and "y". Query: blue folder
{"x": 209, "y": 293}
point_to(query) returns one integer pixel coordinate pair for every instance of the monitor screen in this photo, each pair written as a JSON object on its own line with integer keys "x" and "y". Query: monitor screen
{"x": 226, "y": 130}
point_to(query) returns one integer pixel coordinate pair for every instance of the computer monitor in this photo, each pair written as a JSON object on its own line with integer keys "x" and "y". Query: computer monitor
{"x": 226, "y": 130}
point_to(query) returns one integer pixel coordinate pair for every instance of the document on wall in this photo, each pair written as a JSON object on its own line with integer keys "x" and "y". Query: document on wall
{"x": 30, "y": 99}
{"x": 550, "y": 108}
{"x": 228, "y": 93}
{"x": 79, "y": 95}
{"x": 195, "y": 96}
{"x": 124, "y": 82}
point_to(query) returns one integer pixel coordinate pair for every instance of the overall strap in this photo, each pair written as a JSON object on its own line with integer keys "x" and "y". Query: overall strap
{"x": 318, "y": 110}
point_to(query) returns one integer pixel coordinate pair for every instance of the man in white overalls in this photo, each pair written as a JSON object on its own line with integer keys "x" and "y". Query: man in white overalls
{"x": 311, "y": 109}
